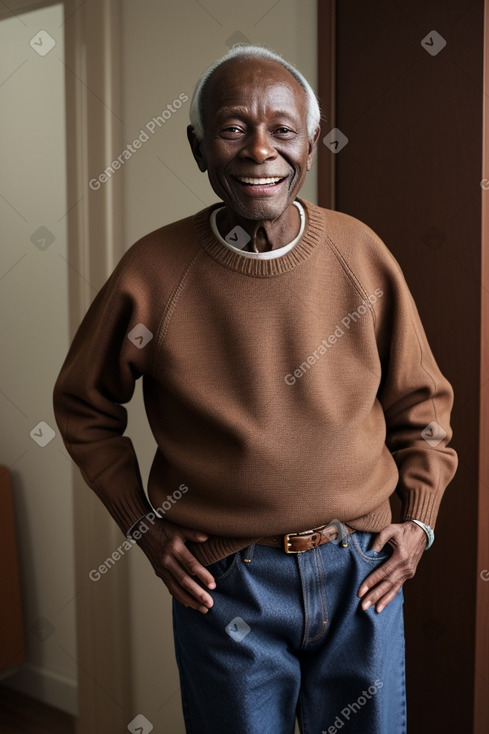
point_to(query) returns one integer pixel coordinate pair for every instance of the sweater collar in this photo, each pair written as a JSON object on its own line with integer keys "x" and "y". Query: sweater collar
{"x": 259, "y": 267}
{"x": 268, "y": 254}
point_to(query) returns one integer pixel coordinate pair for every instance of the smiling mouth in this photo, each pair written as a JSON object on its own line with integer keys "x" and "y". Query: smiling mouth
{"x": 265, "y": 181}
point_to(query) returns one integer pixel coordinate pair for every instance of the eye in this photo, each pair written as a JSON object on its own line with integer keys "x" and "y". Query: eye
{"x": 231, "y": 131}
{"x": 284, "y": 131}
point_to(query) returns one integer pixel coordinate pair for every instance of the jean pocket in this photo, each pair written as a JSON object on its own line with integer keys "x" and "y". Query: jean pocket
{"x": 224, "y": 566}
{"x": 362, "y": 542}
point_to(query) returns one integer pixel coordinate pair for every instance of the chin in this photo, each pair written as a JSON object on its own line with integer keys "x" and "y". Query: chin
{"x": 261, "y": 209}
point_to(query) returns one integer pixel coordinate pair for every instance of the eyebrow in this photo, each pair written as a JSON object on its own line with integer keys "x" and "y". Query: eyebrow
{"x": 224, "y": 112}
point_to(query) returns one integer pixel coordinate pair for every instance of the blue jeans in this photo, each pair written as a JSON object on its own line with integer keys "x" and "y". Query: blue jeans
{"x": 287, "y": 637}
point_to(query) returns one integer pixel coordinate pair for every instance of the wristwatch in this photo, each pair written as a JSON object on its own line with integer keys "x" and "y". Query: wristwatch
{"x": 430, "y": 533}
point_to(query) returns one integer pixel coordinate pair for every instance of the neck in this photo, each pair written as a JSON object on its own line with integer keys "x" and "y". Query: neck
{"x": 265, "y": 235}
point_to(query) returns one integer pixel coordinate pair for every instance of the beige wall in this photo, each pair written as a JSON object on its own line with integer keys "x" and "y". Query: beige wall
{"x": 165, "y": 45}
{"x": 34, "y": 341}
{"x": 165, "y": 48}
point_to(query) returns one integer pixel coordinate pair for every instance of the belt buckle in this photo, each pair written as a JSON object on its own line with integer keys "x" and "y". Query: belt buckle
{"x": 304, "y": 534}
{"x": 287, "y": 549}
{"x": 287, "y": 537}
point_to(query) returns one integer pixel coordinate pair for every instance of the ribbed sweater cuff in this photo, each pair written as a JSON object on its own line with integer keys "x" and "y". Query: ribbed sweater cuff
{"x": 421, "y": 504}
{"x": 128, "y": 508}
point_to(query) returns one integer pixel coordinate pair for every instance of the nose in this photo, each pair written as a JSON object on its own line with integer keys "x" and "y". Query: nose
{"x": 258, "y": 146}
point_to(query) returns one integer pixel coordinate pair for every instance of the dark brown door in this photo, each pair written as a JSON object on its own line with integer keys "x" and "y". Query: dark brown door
{"x": 404, "y": 85}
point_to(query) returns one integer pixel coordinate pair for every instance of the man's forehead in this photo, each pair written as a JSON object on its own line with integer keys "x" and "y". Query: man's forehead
{"x": 232, "y": 81}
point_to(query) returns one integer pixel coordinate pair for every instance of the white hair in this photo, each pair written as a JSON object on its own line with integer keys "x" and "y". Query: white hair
{"x": 258, "y": 52}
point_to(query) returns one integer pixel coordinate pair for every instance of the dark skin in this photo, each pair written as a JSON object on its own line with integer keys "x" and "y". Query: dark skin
{"x": 255, "y": 129}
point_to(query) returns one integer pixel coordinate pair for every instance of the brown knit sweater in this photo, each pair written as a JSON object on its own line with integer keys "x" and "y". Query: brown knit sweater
{"x": 282, "y": 393}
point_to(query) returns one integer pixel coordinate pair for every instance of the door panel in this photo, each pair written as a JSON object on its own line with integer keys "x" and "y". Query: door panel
{"x": 409, "y": 95}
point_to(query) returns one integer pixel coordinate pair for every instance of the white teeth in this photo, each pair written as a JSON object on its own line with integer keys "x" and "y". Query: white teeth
{"x": 259, "y": 181}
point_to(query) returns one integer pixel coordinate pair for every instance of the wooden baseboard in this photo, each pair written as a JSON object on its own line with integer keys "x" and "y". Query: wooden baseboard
{"x": 44, "y": 685}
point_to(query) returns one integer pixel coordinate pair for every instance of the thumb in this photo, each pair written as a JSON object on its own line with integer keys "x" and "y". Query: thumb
{"x": 187, "y": 533}
{"x": 382, "y": 538}
{"x": 197, "y": 536}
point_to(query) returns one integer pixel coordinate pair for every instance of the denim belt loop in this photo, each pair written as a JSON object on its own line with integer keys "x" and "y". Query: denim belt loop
{"x": 344, "y": 535}
{"x": 248, "y": 553}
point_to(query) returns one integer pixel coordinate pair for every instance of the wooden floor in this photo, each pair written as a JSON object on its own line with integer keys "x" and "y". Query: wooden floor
{"x": 22, "y": 715}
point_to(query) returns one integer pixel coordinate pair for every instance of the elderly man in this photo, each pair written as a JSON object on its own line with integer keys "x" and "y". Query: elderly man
{"x": 291, "y": 390}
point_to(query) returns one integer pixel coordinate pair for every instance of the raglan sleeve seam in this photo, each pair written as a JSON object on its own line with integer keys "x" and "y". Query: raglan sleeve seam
{"x": 352, "y": 277}
{"x": 170, "y": 307}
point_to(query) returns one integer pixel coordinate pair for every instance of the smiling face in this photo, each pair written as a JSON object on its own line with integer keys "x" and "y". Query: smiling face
{"x": 255, "y": 147}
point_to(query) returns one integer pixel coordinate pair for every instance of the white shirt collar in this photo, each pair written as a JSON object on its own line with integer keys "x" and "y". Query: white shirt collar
{"x": 271, "y": 254}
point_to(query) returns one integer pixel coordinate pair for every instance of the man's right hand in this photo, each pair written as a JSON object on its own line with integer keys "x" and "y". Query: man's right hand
{"x": 164, "y": 545}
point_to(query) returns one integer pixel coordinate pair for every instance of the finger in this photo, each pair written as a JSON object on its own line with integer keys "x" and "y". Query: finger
{"x": 374, "y": 586}
{"x": 197, "y": 536}
{"x": 379, "y": 543}
{"x": 387, "y": 598}
{"x": 376, "y": 594}
{"x": 375, "y": 578}
{"x": 185, "y": 568}
{"x": 180, "y": 583}
{"x": 387, "y": 589}
{"x": 398, "y": 567}
{"x": 178, "y": 559}
{"x": 381, "y": 597}
{"x": 384, "y": 536}
{"x": 184, "y": 598}
{"x": 194, "y": 568}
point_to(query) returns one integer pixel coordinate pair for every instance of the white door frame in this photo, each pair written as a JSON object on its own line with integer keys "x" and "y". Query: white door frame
{"x": 95, "y": 244}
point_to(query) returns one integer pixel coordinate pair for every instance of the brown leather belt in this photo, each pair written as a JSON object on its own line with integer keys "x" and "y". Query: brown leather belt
{"x": 308, "y": 539}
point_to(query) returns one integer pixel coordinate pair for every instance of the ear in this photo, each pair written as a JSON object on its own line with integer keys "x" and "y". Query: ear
{"x": 195, "y": 146}
{"x": 312, "y": 148}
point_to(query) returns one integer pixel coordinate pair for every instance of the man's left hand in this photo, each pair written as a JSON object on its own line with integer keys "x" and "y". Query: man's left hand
{"x": 409, "y": 542}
